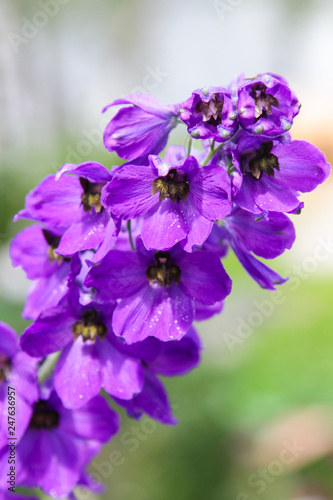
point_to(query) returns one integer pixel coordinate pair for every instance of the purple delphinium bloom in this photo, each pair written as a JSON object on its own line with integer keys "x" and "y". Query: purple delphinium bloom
{"x": 90, "y": 358}
{"x": 141, "y": 128}
{"x": 34, "y": 249}
{"x": 172, "y": 359}
{"x": 266, "y": 105}
{"x": 209, "y": 114}
{"x": 158, "y": 290}
{"x": 179, "y": 202}
{"x": 72, "y": 204}
{"x": 59, "y": 443}
{"x": 18, "y": 377}
{"x": 274, "y": 172}
{"x": 267, "y": 236}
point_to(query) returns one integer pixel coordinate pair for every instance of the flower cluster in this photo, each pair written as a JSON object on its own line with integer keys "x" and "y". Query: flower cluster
{"x": 123, "y": 261}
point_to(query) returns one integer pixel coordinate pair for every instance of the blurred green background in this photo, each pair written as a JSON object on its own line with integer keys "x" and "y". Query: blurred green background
{"x": 256, "y": 418}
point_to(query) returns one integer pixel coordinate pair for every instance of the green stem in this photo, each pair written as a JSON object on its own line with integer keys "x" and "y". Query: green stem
{"x": 211, "y": 153}
{"x": 189, "y": 147}
{"x": 47, "y": 367}
{"x": 129, "y": 229}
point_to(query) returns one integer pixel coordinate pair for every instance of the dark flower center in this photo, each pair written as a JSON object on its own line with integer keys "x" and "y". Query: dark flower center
{"x": 91, "y": 196}
{"x": 163, "y": 272}
{"x": 263, "y": 161}
{"x": 212, "y": 110}
{"x": 89, "y": 327}
{"x": 43, "y": 416}
{"x": 173, "y": 186}
{"x": 263, "y": 102}
{"x": 53, "y": 242}
{"x": 4, "y": 367}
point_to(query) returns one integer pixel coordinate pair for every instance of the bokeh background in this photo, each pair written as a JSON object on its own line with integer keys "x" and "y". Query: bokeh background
{"x": 256, "y": 419}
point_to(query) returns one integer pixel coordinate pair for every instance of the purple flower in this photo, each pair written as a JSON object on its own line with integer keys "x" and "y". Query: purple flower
{"x": 274, "y": 172}
{"x": 17, "y": 377}
{"x": 179, "y": 202}
{"x": 169, "y": 359}
{"x": 72, "y": 205}
{"x": 59, "y": 443}
{"x": 34, "y": 249}
{"x": 157, "y": 291}
{"x": 152, "y": 400}
{"x": 140, "y": 129}
{"x": 178, "y": 357}
{"x": 172, "y": 359}
{"x": 209, "y": 114}
{"x": 267, "y": 236}
{"x": 266, "y": 105}
{"x": 90, "y": 358}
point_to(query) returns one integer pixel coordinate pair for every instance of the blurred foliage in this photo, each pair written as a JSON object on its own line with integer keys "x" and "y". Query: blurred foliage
{"x": 10, "y": 313}
{"x": 294, "y": 6}
{"x": 318, "y": 476}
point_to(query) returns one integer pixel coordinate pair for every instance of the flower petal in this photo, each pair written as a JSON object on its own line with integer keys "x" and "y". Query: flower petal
{"x": 49, "y": 461}
{"x": 178, "y": 357}
{"x": 199, "y": 228}
{"x": 56, "y": 203}
{"x": 203, "y": 277}
{"x": 153, "y": 400}
{"x": 93, "y": 421}
{"x": 77, "y": 376}
{"x": 210, "y": 192}
{"x": 122, "y": 376}
{"x": 135, "y": 132}
{"x": 29, "y": 249}
{"x": 49, "y": 333}
{"x": 47, "y": 292}
{"x": 155, "y": 311}
{"x": 111, "y": 231}
{"x": 203, "y": 312}
{"x": 90, "y": 170}
{"x": 266, "y": 237}
{"x": 302, "y": 165}
{"x": 164, "y": 226}
{"x": 8, "y": 340}
{"x": 128, "y": 195}
{"x": 265, "y": 194}
{"x": 119, "y": 274}
{"x": 86, "y": 234}
{"x": 146, "y": 102}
